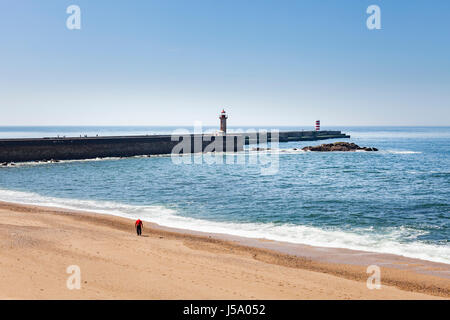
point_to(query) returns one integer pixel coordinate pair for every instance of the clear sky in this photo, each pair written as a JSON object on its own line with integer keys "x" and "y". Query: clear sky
{"x": 167, "y": 62}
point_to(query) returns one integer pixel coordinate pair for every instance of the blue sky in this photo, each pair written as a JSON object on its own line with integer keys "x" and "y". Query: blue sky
{"x": 170, "y": 62}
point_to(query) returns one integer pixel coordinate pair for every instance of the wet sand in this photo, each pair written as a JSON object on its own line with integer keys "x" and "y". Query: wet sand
{"x": 37, "y": 244}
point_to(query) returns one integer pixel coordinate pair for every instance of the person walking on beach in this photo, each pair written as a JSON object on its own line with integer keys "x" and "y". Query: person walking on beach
{"x": 139, "y": 225}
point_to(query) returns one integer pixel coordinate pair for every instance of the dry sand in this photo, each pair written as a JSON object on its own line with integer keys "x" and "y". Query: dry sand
{"x": 37, "y": 244}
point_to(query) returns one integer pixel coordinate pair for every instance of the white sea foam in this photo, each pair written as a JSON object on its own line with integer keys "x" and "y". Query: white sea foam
{"x": 39, "y": 163}
{"x": 402, "y": 152}
{"x": 246, "y": 152}
{"x": 358, "y": 239}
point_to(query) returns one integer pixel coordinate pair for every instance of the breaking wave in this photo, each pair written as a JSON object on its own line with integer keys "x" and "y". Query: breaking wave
{"x": 387, "y": 241}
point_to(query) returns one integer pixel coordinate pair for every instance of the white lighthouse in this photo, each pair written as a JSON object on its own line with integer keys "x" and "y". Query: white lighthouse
{"x": 223, "y": 122}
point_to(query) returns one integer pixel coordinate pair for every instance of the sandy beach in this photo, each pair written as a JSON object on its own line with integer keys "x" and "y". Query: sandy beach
{"x": 37, "y": 244}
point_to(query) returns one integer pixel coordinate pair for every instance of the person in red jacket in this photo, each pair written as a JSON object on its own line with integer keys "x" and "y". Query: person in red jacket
{"x": 139, "y": 225}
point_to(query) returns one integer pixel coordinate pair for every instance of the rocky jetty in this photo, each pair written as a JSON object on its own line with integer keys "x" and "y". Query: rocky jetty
{"x": 338, "y": 146}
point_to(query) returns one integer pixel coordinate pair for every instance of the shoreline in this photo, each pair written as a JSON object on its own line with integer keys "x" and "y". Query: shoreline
{"x": 197, "y": 225}
{"x": 417, "y": 277}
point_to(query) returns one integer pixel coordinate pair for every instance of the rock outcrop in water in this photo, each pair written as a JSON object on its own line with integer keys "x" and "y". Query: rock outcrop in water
{"x": 260, "y": 149}
{"x": 338, "y": 146}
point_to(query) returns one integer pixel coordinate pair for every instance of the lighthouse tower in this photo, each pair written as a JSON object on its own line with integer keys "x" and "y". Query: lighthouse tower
{"x": 223, "y": 121}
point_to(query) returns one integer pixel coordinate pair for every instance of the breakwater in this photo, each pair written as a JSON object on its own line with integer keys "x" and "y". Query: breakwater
{"x": 74, "y": 148}
{"x": 286, "y": 136}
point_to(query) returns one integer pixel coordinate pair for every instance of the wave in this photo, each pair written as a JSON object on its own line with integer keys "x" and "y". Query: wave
{"x": 246, "y": 152}
{"x": 388, "y": 241}
{"x": 402, "y": 152}
{"x": 249, "y": 152}
{"x": 39, "y": 163}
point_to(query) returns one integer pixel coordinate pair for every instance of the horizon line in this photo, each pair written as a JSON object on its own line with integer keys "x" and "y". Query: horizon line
{"x": 215, "y": 125}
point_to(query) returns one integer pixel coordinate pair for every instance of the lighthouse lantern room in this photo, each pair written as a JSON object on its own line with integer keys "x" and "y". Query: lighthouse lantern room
{"x": 223, "y": 121}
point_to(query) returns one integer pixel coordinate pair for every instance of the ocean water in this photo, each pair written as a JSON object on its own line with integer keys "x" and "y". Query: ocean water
{"x": 392, "y": 201}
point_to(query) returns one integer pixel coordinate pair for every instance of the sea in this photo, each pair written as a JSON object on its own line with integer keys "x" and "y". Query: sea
{"x": 394, "y": 201}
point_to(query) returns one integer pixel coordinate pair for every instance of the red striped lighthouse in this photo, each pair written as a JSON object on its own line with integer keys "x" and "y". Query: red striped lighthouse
{"x": 317, "y": 125}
